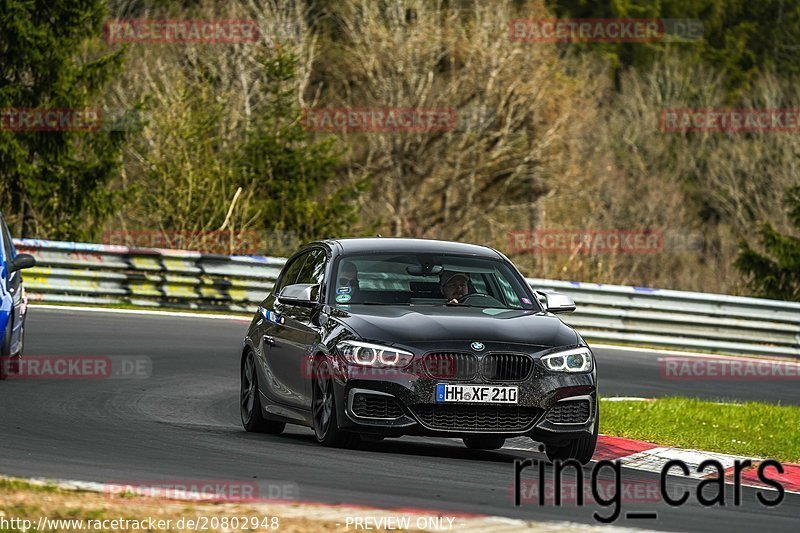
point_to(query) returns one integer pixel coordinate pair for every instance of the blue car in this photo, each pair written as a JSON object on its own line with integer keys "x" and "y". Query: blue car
{"x": 12, "y": 300}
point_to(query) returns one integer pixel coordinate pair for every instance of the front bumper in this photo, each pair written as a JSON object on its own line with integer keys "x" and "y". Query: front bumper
{"x": 403, "y": 403}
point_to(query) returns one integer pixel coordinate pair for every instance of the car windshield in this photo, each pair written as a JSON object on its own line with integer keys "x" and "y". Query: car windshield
{"x": 424, "y": 279}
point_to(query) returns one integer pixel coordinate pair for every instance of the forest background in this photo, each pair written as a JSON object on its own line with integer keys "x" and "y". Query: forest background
{"x": 547, "y": 137}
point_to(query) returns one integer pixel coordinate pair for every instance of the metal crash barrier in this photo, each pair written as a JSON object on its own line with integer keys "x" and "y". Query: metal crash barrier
{"x": 99, "y": 274}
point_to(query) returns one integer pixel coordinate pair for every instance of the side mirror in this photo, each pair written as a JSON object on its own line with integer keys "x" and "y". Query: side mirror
{"x": 300, "y": 294}
{"x": 21, "y": 261}
{"x": 556, "y": 303}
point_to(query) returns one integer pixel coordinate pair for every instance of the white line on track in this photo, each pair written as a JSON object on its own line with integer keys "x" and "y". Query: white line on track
{"x": 637, "y": 399}
{"x": 150, "y": 312}
{"x": 686, "y": 354}
{"x": 625, "y": 399}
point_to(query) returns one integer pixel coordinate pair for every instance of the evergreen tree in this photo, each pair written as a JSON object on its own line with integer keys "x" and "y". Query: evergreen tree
{"x": 740, "y": 38}
{"x": 292, "y": 174}
{"x": 55, "y": 183}
{"x": 776, "y": 272}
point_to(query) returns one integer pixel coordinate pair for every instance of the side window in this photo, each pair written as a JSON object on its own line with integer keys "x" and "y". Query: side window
{"x": 314, "y": 269}
{"x": 479, "y": 283}
{"x": 509, "y": 296}
{"x": 290, "y": 272}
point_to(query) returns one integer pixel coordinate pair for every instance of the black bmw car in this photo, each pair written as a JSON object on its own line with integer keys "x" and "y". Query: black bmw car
{"x": 382, "y": 337}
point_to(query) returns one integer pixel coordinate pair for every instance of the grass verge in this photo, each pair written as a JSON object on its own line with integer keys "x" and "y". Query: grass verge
{"x": 750, "y": 429}
{"x": 23, "y": 504}
{"x": 22, "y": 501}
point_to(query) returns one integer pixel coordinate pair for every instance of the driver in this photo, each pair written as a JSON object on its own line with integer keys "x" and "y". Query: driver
{"x": 348, "y": 279}
{"x": 454, "y": 285}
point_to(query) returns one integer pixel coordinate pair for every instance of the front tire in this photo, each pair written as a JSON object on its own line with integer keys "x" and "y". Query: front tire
{"x": 484, "y": 443}
{"x": 323, "y": 410}
{"x": 581, "y": 449}
{"x": 250, "y": 401}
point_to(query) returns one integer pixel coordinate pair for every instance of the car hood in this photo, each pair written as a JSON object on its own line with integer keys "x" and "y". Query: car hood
{"x": 413, "y": 325}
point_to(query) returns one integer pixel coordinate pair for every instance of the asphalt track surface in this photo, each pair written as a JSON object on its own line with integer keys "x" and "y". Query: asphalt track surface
{"x": 182, "y": 423}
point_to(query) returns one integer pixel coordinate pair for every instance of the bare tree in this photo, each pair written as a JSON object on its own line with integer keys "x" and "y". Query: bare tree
{"x": 515, "y": 110}
{"x": 199, "y": 99}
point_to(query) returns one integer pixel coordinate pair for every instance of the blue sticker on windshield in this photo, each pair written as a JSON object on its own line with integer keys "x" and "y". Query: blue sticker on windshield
{"x": 525, "y": 301}
{"x": 343, "y": 298}
{"x": 343, "y": 290}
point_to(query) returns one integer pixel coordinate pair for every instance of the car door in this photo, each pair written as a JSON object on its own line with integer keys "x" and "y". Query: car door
{"x": 282, "y": 380}
{"x": 13, "y": 287}
{"x": 299, "y": 331}
{"x": 9, "y": 284}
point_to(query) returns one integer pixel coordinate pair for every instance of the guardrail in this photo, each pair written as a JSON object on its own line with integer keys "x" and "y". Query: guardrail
{"x": 68, "y": 272}
{"x": 118, "y": 275}
{"x": 681, "y": 320}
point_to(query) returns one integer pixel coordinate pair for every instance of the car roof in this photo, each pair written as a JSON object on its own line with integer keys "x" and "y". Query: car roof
{"x": 394, "y": 244}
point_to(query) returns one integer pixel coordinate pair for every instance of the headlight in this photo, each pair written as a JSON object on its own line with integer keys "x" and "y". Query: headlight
{"x": 575, "y": 360}
{"x": 374, "y": 355}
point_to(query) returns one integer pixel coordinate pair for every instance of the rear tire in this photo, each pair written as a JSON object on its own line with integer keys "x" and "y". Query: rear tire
{"x": 484, "y": 443}
{"x": 581, "y": 449}
{"x": 323, "y": 410}
{"x": 250, "y": 401}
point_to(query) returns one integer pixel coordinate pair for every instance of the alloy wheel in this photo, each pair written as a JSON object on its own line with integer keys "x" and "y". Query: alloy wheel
{"x": 323, "y": 403}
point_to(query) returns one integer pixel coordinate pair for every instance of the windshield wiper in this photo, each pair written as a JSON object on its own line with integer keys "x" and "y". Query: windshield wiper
{"x": 379, "y": 303}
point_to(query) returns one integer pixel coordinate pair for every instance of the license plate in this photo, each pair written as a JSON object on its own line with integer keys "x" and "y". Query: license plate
{"x": 449, "y": 392}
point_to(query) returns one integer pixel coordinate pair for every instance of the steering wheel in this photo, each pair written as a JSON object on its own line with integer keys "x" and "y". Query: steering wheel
{"x": 473, "y": 296}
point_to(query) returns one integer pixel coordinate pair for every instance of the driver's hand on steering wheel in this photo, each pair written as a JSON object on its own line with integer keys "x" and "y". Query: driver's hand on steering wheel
{"x": 453, "y": 301}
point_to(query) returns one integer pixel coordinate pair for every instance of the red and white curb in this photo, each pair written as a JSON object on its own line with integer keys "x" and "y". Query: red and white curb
{"x": 649, "y": 457}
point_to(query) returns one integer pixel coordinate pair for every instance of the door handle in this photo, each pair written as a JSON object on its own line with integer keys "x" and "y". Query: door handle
{"x": 268, "y": 339}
